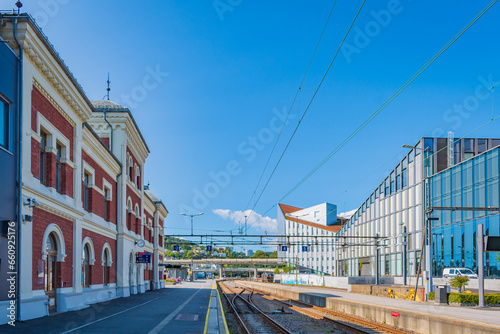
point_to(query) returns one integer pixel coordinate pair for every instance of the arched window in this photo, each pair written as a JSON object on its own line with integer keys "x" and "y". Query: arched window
{"x": 105, "y": 269}
{"x": 137, "y": 220}
{"x": 86, "y": 266}
{"x": 130, "y": 168}
{"x": 137, "y": 177}
{"x": 129, "y": 214}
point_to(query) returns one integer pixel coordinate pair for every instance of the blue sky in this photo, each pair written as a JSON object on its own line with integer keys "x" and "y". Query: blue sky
{"x": 226, "y": 71}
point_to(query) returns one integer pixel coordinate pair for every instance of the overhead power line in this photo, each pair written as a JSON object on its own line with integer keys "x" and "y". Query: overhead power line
{"x": 291, "y": 107}
{"x": 385, "y": 104}
{"x": 388, "y": 101}
{"x": 309, "y": 104}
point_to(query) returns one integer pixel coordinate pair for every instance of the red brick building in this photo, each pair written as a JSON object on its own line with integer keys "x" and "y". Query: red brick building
{"x": 83, "y": 166}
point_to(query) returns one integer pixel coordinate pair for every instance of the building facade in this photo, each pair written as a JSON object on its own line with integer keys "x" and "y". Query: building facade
{"x": 395, "y": 212}
{"x": 82, "y": 167}
{"x": 309, "y": 235}
{"x": 10, "y": 170}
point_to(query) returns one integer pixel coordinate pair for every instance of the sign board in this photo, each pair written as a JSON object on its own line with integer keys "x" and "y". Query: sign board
{"x": 284, "y": 248}
{"x": 305, "y": 248}
{"x": 176, "y": 248}
{"x": 492, "y": 244}
{"x": 209, "y": 248}
{"x": 395, "y": 314}
{"x": 143, "y": 257}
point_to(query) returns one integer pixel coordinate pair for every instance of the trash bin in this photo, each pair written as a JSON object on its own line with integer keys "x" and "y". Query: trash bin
{"x": 441, "y": 292}
{"x": 151, "y": 285}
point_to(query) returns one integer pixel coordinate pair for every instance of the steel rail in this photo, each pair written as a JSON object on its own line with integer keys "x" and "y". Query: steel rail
{"x": 242, "y": 323}
{"x": 342, "y": 315}
{"x": 249, "y": 303}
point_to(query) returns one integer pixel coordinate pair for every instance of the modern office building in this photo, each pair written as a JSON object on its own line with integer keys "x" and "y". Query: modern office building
{"x": 459, "y": 173}
{"x": 309, "y": 242}
{"x": 90, "y": 231}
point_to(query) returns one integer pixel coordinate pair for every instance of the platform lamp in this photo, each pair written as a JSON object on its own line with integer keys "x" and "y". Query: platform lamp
{"x": 185, "y": 214}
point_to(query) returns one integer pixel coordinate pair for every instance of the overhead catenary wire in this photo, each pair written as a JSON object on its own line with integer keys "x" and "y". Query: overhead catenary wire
{"x": 309, "y": 105}
{"x": 290, "y": 109}
{"x": 386, "y": 103}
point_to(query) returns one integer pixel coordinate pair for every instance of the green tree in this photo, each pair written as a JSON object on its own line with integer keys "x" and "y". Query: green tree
{"x": 277, "y": 270}
{"x": 274, "y": 255}
{"x": 459, "y": 282}
{"x": 260, "y": 255}
{"x": 287, "y": 269}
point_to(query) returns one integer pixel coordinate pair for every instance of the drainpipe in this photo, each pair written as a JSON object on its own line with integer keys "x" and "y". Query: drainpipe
{"x": 156, "y": 204}
{"x": 116, "y": 241}
{"x": 19, "y": 173}
{"x": 110, "y": 135}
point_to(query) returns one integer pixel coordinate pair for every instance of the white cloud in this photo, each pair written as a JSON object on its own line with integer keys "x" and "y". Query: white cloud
{"x": 254, "y": 220}
{"x": 347, "y": 214}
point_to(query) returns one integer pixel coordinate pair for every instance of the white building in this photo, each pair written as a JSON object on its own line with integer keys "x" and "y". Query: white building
{"x": 309, "y": 236}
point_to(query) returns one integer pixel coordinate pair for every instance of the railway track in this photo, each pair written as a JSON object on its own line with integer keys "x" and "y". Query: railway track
{"x": 250, "y": 317}
{"x": 350, "y": 323}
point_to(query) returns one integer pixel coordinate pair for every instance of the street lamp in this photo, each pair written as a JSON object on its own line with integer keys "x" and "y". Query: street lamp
{"x": 185, "y": 214}
{"x": 297, "y": 255}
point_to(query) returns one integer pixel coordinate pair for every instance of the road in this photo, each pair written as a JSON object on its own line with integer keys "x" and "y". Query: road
{"x": 175, "y": 309}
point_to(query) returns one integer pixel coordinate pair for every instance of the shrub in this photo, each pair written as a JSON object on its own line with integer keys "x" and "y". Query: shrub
{"x": 432, "y": 295}
{"x": 473, "y": 298}
{"x": 459, "y": 282}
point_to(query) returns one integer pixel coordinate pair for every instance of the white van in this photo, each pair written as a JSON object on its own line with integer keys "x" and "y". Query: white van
{"x": 454, "y": 272}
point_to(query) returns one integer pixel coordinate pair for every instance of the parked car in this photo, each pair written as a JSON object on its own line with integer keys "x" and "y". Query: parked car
{"x": 455, "y": 272}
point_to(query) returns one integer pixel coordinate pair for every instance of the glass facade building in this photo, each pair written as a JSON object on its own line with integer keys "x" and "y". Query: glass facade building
{"x": 461, "y": 172}
{"x": 472, "y": 183}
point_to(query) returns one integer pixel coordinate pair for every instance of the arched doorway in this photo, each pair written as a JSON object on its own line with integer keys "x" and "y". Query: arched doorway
{"x": 51, "y": 271}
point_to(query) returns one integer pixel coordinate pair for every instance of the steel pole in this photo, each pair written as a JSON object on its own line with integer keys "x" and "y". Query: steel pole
{"x": 405, "y": 247}
{"x": 377, "y": 262}
{"x": 480, "y": 263}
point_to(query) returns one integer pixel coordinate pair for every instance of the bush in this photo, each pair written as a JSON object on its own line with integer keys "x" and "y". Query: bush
{"x": 473, "y": 298}
{"x": 459, "y": 282}
{"x": 170, "y": 280}
{"x": 432, "y": 295}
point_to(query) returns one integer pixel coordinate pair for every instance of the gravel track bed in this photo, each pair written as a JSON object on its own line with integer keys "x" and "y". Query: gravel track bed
{"x": 294, "y": 321}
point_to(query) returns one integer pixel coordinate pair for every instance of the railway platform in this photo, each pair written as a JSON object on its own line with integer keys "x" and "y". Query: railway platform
{"x": 421, "y": 317}
{"x": 215, "y": 322}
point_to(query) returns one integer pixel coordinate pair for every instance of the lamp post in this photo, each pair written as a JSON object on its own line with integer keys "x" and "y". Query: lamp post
{"x": 185, "y": 214}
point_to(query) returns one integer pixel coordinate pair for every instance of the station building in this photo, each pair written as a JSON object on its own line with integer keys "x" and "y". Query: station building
{"x": 459, "y": 173}
{"x": 84, "y": 210}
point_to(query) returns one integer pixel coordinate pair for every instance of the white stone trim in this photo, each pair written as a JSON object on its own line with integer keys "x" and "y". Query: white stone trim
{"x": 54, "y": 136}
{"x": 110, "y": 255}
{"x": 88, "y": 241}
{"x": 61, "y": 248}
{"x": 106, "y": 184}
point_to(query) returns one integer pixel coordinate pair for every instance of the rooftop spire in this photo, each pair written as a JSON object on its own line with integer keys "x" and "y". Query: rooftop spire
{"x": 108, "y": 89}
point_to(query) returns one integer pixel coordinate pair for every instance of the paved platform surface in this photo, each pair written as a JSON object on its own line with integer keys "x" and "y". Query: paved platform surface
{"x": 189, "y": 307}
{"x": 486, "y": 316}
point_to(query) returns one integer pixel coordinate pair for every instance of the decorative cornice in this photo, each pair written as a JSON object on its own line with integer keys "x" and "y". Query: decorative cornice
{"x": 56, "y": 212}
{"x": 38, "y": 86}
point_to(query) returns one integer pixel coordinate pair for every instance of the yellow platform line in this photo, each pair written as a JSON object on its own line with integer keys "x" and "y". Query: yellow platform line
{"x": 208, "y": 312}
{"x": 223, "y": 315}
